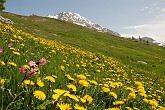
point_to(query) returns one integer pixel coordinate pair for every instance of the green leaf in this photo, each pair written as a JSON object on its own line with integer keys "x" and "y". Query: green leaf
{"x": 44, "y": 104}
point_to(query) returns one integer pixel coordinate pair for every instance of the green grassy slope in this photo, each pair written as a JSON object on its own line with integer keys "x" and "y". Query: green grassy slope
{"x": 39, "y": 72}
{"x": 122, "y": 49}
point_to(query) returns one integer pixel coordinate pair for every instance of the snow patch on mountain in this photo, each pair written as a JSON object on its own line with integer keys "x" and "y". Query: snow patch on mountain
{"x": 82, "y": 21}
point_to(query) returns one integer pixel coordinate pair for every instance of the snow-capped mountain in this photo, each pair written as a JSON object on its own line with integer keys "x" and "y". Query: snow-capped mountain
{"x": 159, "y": 43}
{"x": 82, "y": 21}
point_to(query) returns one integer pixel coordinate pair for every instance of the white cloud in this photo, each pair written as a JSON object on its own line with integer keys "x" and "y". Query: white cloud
{"x": 145, "y": 8}
{"x": 162, "y": 11}
{"x": 154, "y": 29}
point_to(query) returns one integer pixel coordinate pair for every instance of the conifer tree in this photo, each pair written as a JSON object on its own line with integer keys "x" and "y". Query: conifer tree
{"x": 2, "y": 6}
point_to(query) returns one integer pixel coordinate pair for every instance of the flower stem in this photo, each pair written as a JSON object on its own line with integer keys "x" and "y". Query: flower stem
{"x": 13, "y": 101}
{"x": 2, "y": 98}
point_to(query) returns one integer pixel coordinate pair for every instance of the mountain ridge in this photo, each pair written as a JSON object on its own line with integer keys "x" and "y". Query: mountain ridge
{"x": 82, "y": 21}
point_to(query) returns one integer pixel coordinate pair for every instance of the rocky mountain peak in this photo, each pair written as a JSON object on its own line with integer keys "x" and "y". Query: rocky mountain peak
{"x": 82, "y": 21}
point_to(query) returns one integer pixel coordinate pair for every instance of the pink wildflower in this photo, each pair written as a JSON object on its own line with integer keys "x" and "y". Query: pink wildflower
{"x": 32, "y": 72}
{"x": 1, "y": 50}
{"x": 33, "y": 64}
{"x": 43, "y": 61}
{"x": 10, "y": 45}
{"x": 22, "y": 69}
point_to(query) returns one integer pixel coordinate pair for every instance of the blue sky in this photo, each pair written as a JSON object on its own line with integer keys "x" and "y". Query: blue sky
{"x": 127, "y": 17}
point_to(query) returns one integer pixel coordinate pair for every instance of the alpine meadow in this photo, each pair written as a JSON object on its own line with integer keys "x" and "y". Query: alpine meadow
{"x": 51, "y": 64}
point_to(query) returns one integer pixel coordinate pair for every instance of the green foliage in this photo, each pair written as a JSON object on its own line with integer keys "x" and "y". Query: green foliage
{"x": 2, "y": 7}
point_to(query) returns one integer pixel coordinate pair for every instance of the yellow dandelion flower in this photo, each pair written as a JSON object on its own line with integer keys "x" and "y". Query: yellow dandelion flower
{"x": 16, "y": 53}
{"x": 20, "y": 38}
{"x": 77, "y": 107}
{"x": 83, "y": 64}
{"x": 54, "y": 76}
{"x": 140, "y": 87}
{"x": 11, "y": 48}
{"x": 37, "y": 70}
{"x": 118, "y": 103}
{"x": 153, "y": 103}
{"x": 28, "y": 82}
{"x": 60, "y": 92}
{"x": 105, "y": 85}
{"x": 39, "y": 95}
{"x": 83, "y": 83}
{"x": 115, "y": 108}
{"x": 145, "y": 100}
{"x": 55, "y": 96}
{"x": 69, "y": 77}
{"x": 112, "y": 85}
{"x": 77, "y": 65}
{"x": 62, "y": 68}
{"x": 113, "y": 94}
{"x": 2, "y": 63}
{"x": 125, "y": 100}
{"x": 105, "y": 89}
{"x": 81, "y": 76}
{"x": 93, "y": 82}
{"x": 64, "y": 106}
{"x": 26, "y": 67}
{"x": 22, "y": 45}
{"x": 141, "y": 91}
{"x": 134, "y": 108}
{"x": 98, "y": 70}
{"x": 120, "y": 84}
{"x": 128, "y": 108}
{"x": 161, "y": 108}
{"x": 143, "y": 94}
{"x": 129, "y": 88}
{"x": 64, "y": 61}
{"x": 2, "y": 81}
{"x": 82, "y": 100}
{"x": 73, "y": 97}
{"x": 40, "y": 83}
{"x": 72, "y": 87}
{"x": 87, "y": 98}
{"x": 53, "y": 51}
{"x": 12, "y": 64}
{"x": 132, "y": 95}
{"x": 11, "y": 40}
{"x": 50, "y": 78}
{"x": 138, "y": 83}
